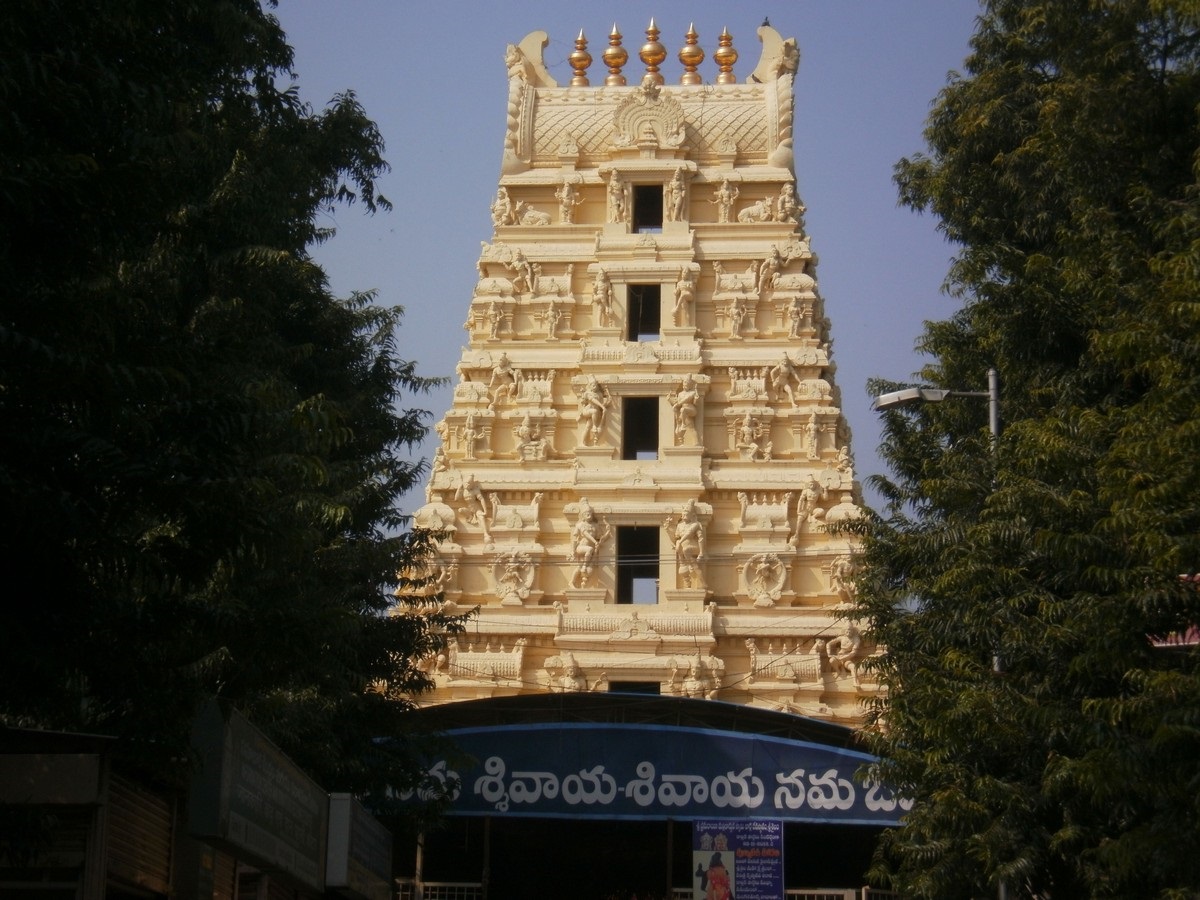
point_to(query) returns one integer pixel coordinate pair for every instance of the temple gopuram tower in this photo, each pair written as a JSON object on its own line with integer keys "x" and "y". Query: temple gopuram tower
{"x": 640, "y": 476}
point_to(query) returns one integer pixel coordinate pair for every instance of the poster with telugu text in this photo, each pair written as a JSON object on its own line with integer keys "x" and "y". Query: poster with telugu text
{"x": 737, "y": 859}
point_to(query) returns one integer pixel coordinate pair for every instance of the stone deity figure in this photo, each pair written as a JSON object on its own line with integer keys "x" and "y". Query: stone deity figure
{"x": 440, "y": 464}
{"x": 845, "y": 463}
{"x": 594, "y": 402}
{"x": 767, "y": 270}
{"x": 586, "y": 538}
{"x": 688, "y": 538}
{"x": 494, "y": 318}
{"x": 787, "y": 207}
{"x": 503, "y": 211}
{"x": 524, "y": 277}
{"x": 476, "y": 509}
{"x": 723, "y": 198}
{"x": 764, "y": 575}
{"x": 841, "y": 578}
{"x": 845, "y": 651}
{"x": 469, "y": 436}
{"x": 530, "y": 443}
{"x": 602, "y": 299}
{"x": 616, "y": 199}
{"x": 806, "y": 506}
{"x": 749, "y": 435}
{"x": 737, "y": 318}
{"x": 684, "y": 401}
{"x": 514, "y": 575}
{"x": 812, "y": 435}
{"x": 568, "y": 198}
{"x": 504, "y": 381}
{"x": 674, "y": 197}
{"x": 752, "y": 650}
{"x": 685, "y": 296}
{"x": 552, "y": 316}
{"x": 797, "y": 315}
{"x": 782, "y": 376}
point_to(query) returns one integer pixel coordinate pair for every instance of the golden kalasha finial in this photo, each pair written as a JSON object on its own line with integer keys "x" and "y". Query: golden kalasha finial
{"x": 580, "y": 59}
{"x": 652, "y": 54}
{"x": 725, "y": 57}
{"x": 615, "y": 57}
{"x": 691, "y": 56}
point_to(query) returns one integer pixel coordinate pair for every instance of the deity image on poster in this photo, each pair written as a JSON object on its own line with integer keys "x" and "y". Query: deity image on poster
{"x": 716, "y": 881}
{"x": 737, "y": 858}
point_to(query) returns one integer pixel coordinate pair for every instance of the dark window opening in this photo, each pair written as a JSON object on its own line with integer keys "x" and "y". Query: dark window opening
{"x": 637, "y": 564}
{"x": 635, "y": 687}
{"x": 644, "y": 314}
{"x": 639, "y": 428}
{"x": 647, "y": 207}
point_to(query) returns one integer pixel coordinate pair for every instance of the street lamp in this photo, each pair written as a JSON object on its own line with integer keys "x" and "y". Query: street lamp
{"x": 911, "y": 396}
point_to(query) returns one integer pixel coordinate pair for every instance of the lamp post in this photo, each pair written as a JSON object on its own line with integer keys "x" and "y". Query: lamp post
{"x": 911, "y": 396}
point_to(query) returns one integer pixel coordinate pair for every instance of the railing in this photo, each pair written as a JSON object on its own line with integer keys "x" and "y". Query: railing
{"x": 406, "y": 889}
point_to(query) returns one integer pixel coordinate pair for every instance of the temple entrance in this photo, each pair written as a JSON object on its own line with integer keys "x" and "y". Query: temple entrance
{"x": 616, "y": 859}
{"x": 583, "y": 860}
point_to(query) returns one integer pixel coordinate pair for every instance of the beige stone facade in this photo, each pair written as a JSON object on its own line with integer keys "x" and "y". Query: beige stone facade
{"x": 645, "y": 451}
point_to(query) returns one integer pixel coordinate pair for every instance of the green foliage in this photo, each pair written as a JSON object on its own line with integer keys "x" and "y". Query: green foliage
{"x": 203, "y": 449}
{"x": 1048, "y": 745}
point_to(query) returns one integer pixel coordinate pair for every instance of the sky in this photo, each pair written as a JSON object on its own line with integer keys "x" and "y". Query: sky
{"x": 432, "y": 77}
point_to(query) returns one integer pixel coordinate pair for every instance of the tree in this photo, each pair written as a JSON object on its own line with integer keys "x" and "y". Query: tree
{"x": 202, "y": 452}
{"x": 1048, "y": 744}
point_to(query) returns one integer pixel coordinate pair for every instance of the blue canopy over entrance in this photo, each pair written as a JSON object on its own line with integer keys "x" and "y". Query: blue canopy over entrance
{"x": 611, "y": 756}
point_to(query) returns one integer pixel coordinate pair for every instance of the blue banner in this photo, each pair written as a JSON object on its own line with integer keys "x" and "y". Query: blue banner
{"x": 623, "y": 771}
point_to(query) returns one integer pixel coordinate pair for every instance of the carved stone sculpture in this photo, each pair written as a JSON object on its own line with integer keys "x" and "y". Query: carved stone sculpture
{"x": 527, "y": 215}
{"x": 844, "y": 653}
{"x": 748, "y": 438}
{"x": 531, "y": 444}
{"x": 673, "y": 199}
{"x": 759, "y": 211}
{"x": 784, "y": 375}
{"x": 469, "y": 437}
{"x": 737, "y": 318}
{"x": 602, "y": 299}
{"x": 687, "y": 536}
{"x": 475, "y": 510}
{"x": 799, "y": 316}
{"x": 845, "y": 463}
{"x": 504, "y": 382}
{"x": 787, "y": 207}
{"x": 524, "y": 275}
{"x": 685, "y": 296}
{"x": 812, "y": 437}
{"x": 841, "y": 578}
{"x": 568, "y": 198}
{"x": 514, "y": 573}
{"x": 503, "y": 211}
{"x": 616, "y": 199}
{"x": 551, "y": 317}
{"x": 806, "y": 506}
{"x": 684, "y": 401}
{"x": 723, "y": 198}
{"x": 594, "y": 402}
{"x": 586, "y": 538}
{"x": 764, "y": 574}
{"x": 767, "y": 270}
